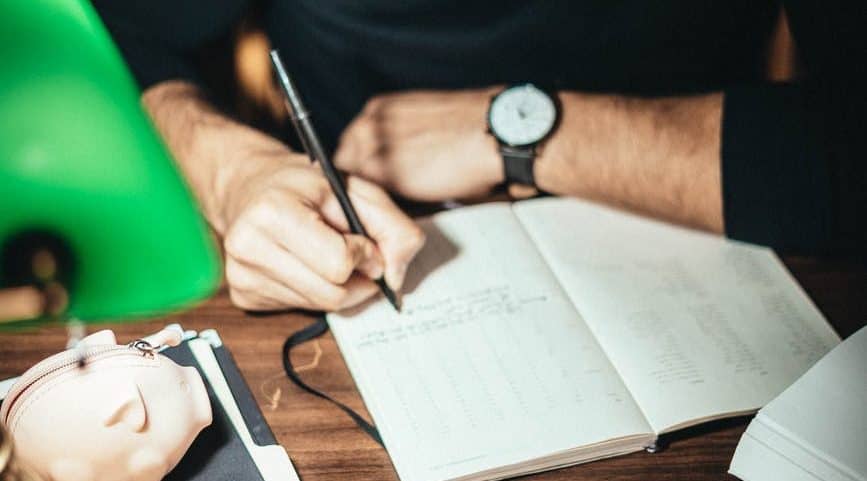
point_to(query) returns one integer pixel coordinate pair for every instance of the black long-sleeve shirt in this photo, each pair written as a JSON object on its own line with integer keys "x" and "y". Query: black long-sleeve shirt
{"x": 793, "y": 156}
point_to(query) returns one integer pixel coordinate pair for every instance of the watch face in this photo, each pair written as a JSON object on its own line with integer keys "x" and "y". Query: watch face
{"x": 522, "y": 115}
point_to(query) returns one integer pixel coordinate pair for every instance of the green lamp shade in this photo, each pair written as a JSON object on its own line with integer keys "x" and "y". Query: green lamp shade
{"x": 81, "y": 164}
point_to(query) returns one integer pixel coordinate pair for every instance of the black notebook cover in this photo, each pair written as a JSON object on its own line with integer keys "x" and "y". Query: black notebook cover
{"x": 218, "y": 454}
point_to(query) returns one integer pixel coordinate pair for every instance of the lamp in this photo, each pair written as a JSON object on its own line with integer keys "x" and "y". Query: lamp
{"x": 92, "y": 208}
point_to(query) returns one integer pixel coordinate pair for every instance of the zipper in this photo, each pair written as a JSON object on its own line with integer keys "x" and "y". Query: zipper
{"x": 65, "y": 361}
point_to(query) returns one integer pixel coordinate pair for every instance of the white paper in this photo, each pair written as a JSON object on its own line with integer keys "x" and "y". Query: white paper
{"x": 818, "y": 425}
{"x": 763, "y": 463}
{"x": 489, "y": 364}
{"x": 697, "y": 326}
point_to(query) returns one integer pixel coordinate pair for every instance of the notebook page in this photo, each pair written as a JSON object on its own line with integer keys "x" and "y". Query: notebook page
{"x": 697, "y": 326}
{"x": 489, "y": 364}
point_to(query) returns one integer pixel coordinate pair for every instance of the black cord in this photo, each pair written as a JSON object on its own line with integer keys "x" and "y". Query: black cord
{"x": 318, "y": 328}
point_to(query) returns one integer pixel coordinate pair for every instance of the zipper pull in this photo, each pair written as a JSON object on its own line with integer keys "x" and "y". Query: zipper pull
{"x": 171, "y": 336}
{"x": 147, "y": 349}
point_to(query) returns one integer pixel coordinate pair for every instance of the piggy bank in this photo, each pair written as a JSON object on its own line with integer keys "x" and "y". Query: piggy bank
{"x": 106, "y": 412}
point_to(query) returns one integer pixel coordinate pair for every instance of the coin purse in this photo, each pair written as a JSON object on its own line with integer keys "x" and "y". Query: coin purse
{"x": 106, "y": 412}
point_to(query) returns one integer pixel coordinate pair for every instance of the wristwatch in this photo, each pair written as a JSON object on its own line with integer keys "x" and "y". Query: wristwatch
{"x": 520, "y": 118}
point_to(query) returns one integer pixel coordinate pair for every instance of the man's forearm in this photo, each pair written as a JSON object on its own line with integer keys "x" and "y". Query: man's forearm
{"x": 657, "y": 156}
{"x": 213, "y": 151}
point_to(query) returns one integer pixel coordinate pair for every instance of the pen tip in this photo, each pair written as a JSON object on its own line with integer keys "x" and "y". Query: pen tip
{"x": 393, "y": 299}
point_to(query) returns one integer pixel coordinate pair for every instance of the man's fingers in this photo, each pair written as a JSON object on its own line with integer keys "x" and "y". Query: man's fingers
{"x": 254, "y": 301}
{"x": 359, "y": 288}
{"x": 347, "y": 154}
{"x": 398, "y": 238}
{"x": 301, "y": 230}
{"x": 362, "y": 150}
{"x": 364, "y": 256}
{"x": 253, "y": 291}
{"x": 270, "y": 266}
{"x": 355, "y": 145}
{"x": 251, "y": 301}
{"x": 373, "y": 267}
{"x": 272, "y": 296}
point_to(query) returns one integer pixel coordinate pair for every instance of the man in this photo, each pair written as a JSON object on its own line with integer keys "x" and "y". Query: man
{"x": 661, "y": 109}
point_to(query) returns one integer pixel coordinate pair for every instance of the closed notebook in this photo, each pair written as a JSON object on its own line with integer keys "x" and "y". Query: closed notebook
{"x": 555, "y": 331}
{"x": 239, "y": 444}
{"x": 817, "y": 429}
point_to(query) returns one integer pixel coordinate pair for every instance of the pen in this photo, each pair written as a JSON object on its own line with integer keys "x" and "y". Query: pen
{"x": 303, "y": 125}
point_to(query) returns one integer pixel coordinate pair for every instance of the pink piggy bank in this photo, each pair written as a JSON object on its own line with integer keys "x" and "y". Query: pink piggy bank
{"x": 128, "y": 414}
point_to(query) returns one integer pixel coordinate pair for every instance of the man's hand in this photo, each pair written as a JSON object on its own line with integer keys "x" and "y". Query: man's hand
{"x": 425, "y": 145}
{"x": 288, "y": 243}
{"x": 286, "y": 239}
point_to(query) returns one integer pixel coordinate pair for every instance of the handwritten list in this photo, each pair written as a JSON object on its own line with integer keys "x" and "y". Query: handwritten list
{"x": 488, "y": 357}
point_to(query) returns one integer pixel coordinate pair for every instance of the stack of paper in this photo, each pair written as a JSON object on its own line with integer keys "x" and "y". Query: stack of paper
{"x": 816, "y": 429}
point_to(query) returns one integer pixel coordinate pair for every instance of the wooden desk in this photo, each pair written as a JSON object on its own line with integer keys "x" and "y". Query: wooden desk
{"x": 326, "y": 445}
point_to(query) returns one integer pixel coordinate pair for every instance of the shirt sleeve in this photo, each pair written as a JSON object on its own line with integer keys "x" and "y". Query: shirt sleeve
{"x": 162, "y": 39}
{"x": 793, "y": 155}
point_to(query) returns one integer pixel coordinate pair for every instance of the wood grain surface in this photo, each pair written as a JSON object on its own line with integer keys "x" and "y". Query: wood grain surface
{"x": 326, "y": 445}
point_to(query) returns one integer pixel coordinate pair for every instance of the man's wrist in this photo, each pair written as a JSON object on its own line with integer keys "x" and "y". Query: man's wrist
{"x": 217, "y": 155}
{"x": 562, "y": 160}
{"x": 487, "y": 164}
{"x": 549, "y": 165}
{"x": 491, "y": 164}
{"x": 656, "y": 155}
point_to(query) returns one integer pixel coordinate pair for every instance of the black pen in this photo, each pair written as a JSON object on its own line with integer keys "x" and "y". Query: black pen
{"x": 301, "y": 120}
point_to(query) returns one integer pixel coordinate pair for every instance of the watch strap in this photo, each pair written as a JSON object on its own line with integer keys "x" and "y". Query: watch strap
{"x": 518, "y": 164}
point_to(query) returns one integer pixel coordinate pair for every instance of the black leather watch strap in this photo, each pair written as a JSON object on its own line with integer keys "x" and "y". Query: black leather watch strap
{"x": 518, "y": 164}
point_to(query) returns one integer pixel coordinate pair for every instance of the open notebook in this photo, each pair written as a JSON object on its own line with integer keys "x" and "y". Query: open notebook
{"x": 555, "y": 331}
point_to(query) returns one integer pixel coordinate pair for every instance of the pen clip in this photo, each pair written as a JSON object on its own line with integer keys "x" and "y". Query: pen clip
{"x": 296, "y": 109}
